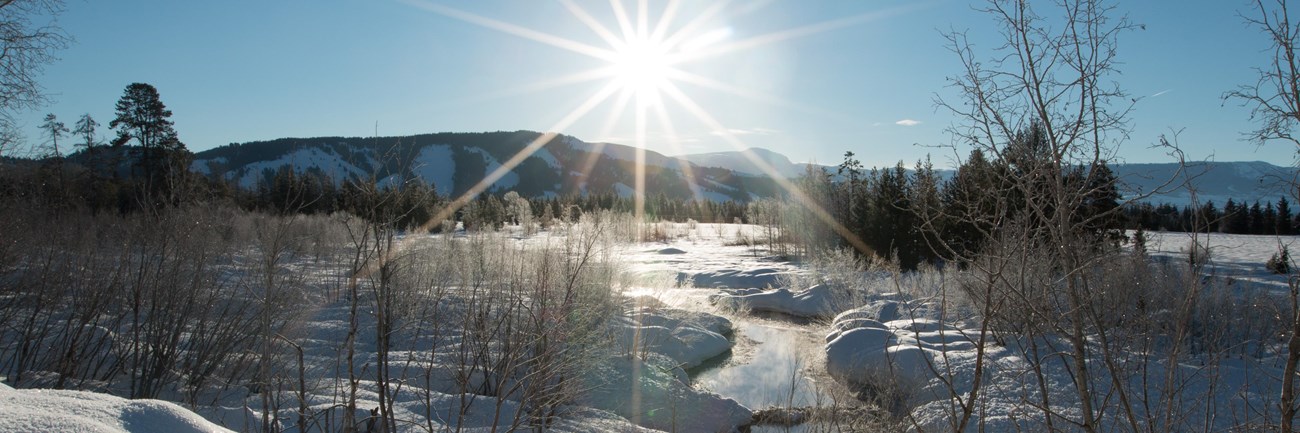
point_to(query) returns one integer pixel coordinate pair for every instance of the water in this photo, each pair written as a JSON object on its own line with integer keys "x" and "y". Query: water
{"x": 766, "y": 368}
{"x": 776, "y": 361}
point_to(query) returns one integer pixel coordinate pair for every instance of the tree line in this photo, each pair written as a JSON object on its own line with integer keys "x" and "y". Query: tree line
{"x": 1234, "y": 218}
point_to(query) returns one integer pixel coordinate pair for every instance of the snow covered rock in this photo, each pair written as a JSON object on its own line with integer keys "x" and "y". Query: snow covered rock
{"x": 59, "y": 410}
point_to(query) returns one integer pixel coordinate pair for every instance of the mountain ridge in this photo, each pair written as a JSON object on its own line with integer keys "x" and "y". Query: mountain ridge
{"x": 455, "y": 161}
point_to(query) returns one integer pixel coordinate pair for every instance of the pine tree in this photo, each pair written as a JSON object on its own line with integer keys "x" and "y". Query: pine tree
{"x": 1282, "y": 223}
{"x": 1268, "y": 224}
{"x": 968, "y": 201}
{"x": 142, "y": 118}
{"x": 1209, "y": 218}
{"x": 1255, "y": 219}
{"x": 54, "y": 129}
{"x": 85, "y": 130}
{"x": 923, "y": 193}
{"x": 1101, "y": 201}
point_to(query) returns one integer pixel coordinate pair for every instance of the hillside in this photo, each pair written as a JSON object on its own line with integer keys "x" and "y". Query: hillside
{"x": 1164, "y": 182}
{"x": 454, "y": 162}
{"x": 743, "y": 161}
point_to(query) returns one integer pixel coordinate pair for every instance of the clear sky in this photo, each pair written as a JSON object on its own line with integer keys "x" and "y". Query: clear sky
{"x": 810, "y": 79}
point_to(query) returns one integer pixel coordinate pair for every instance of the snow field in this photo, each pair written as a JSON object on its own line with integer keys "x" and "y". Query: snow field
{"x": 891, "y": 336}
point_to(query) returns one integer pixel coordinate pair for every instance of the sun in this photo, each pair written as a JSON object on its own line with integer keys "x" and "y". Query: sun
{"x": 643, "y": 60}
{"x": 642, "y": 66}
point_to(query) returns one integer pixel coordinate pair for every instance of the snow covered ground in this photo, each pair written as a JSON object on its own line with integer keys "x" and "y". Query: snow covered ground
{"x": 1235, "y": 257}
{"x": 899, "y": 349}
{"x": 711, "y": 301}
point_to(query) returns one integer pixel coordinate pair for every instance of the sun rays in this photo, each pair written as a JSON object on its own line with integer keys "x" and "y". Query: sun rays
{"x": 640, "y": 71}
{"x": 641, "y": 57}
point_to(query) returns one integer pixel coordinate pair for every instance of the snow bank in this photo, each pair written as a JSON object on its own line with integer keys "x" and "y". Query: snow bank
{"x": 818, "y": 301}
{"x": 59, "y": 410}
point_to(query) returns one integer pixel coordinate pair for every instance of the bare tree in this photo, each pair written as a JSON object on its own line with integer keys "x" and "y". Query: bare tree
{"x": 1046, "y": 106}
{"x": 1275, "y": 103}
{"x": 28, "y": 39}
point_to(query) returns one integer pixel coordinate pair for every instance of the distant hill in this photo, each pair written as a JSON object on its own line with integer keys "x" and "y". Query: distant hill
{"x": 1209, "y": 181}
{"x": 1212, "y": 181}
{"x": 453, "y": 162}
{"x": 743, "y": 162}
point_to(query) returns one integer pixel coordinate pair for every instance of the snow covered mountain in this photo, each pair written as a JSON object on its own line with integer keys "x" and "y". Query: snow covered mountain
{"x": 1243, "y": 181}
{"x": 1164, "y": 182}
{"x": 743, "y": 161}
{"x": 454, "y": 162}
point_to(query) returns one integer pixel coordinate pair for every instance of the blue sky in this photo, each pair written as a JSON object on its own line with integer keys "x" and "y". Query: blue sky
{"x": 237, "y": 71}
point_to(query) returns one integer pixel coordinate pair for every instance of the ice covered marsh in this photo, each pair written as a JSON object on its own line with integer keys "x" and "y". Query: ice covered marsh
{"x": 204, "y": 321}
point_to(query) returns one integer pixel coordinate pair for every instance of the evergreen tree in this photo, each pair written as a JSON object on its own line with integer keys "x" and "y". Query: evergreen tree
{"x": 162, "y": 158}
{"x": 969, "y": 205}
{"x": 1268, "y": 224}
{"x": 850, "y": 196}
{"x": 54, "y": 129}
{"x": 1101, "y": 204}
{"x": 1209, "y": 218}
{"x": 1255, "y": 219}
{"x": 85, "y": 130}
{"x": 1282, "y": 222}
{"x": 1237, "y": 217}
{"x": 925, "y": 202}
{"x": 142, "y": 118}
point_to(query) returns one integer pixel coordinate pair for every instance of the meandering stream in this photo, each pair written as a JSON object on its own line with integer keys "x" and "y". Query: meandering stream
{"x": 776, "y": 361}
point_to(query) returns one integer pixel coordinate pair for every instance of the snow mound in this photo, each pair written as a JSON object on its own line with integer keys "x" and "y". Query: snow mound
{"x": 671, "y": 251}
{"x": 819, "y": 301}
{"x": 884, "y": 342}
{"x": 869, "y": 355}
{"x": 758, "y": 277}
{"x": 653, "y": 392}
{"x": 687, "y": 338}
{"x": 81, "y": 411}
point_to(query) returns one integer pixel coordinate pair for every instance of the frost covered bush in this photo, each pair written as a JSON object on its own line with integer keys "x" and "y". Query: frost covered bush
{"x": 841, "y": 271}
{"x": 206, "y": 305}
{"x": 140, "y": 306}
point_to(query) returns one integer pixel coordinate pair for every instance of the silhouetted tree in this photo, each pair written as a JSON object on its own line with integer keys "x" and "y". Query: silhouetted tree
{"x": 1282, "y": 224}
{"x": 85, "y": 130}
{"x": 54, "y": 129}
{"x": 142, "y": 118}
